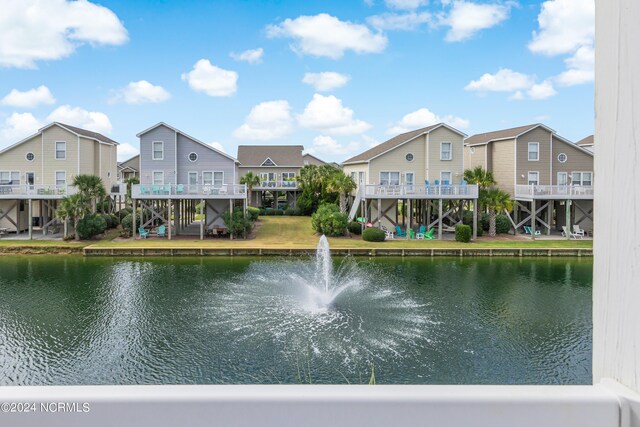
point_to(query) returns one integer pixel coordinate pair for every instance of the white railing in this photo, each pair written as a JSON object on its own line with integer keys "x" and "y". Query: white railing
{"x": 277, "y": 184}
{"x": 423, "y": 191}
{"x": 140, "y": 191}
{"x": 555, "y": 191}
{"x": 22, "y": 190}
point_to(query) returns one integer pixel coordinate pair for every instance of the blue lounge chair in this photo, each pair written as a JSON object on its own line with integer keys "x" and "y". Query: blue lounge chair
{"x": 180, "y": 189}
{"x": 420, "y": 233}
{"x": 400, "y": 232}
{"x": 143, "y": 233}
{"x": 155, "y": 189}
{"x": 167, "y": 189}
{"x": 144, "y": 190}
{"x": 162, "y": 231}
{"x": 527, "y": 230}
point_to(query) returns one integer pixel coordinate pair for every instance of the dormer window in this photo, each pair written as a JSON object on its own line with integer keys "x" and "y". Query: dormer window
{"x": 268, "y": 162}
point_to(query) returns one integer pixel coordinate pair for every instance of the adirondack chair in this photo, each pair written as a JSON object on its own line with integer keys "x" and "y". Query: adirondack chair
{"x": 429, "y": 235}
{"x": 167, "y": 189}
{"x": 400, "y": 232}
{"x": 162, "y": 231}
{"x": 566, "y": 232}
{"x": 155, "y": 189}
{"x": 420, "y": 233}
{"x": 144, "y": 190}
{"x": 143, "y": 233}
{"x": 578, "y": 231}
{"x": 527, "y": 230}
{"x": 180, "y": 189}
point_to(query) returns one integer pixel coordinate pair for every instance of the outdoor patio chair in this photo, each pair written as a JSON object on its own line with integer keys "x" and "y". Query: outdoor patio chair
{"x": 400, "y": 232}
{"x": 578, "y": 231}
{"x": 223, "y": 189}
{"x": 143, "y": 233}
{"x": 527, "y": 230}
{"x": 180, "y": 189}
{"x": 155, "y": 189}
{"x": 161, "y": 231}
{"x": 429, "y": 235}
{"x": 420, "y": 233}
{"x": 566, "y": 232}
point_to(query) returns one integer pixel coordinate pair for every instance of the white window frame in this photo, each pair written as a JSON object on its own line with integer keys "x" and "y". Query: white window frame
{"x": 581, "y": 181}
{"x": 26, "y": 156}
{"x": 220, "y": 180}
{"x": 388, "y": 180}
{"x": 204, "y": 181}
{"x": 288, "y": 175}
{"x": 26, "y": 179}
{"x": 442, "y": 144}
{"x": 10, "y": 173}
{"x": 153, "y": 177}
{"x": 153, "y": 150}
{"x": 566, "y": 157}
{"x": 566, "y": 178}
{"x": 63, "y": 151}
{"x": 55, "y": 177}
{"x": 537, "y": 173}
{"x": 362, "y": 176}
{"x": 442, "y": 180}
{"x": 537, "y": 145}
{"x": 189, "y": 157}
{"x": 413, "y": 157}
{"x": 354, "y": 177}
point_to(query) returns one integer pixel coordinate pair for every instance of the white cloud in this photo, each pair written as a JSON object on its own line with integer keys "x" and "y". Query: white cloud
{"x": 405, "y": 4}
{"x": 17, "y": 127}
{"x": 141, "y": 92}
{"x": 28, "y": 99}
{"x": 537, "y": 91}
{"x": 323, "y": 144}
{"x": 325, "y": 81}
{"x": 580, "y": 68}
{"x": 400, "y": 21}
{"x": 505, "y": 80}
{"x": 218, "y": 146}
{"x": 214, "y": 81}
{"x": 424, "y": 117}
{"x": 126, "y": 151}
{"x": 565, "y": 26}
{"x": 326, "y": 35}
{"x": 465, "y": 18}
{"x": 266, "y": 121}
{"x": 37, "y": 30}
{"x": 76, "y": 116}
{"x": 327, "y": 114}
{"x": 252, "y": 56}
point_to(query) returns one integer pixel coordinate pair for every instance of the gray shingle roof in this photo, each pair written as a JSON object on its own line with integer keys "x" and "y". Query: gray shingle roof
{"x": 88, "y": 133}
{"x": 481, "y": 138}
{"x": 586, "y": 141}
{"x": 281, "y": 155}
{"x": 389, "y": 144}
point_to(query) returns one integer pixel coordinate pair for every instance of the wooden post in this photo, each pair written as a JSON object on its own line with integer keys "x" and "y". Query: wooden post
{"x": 440, "y": 219}
{"x": 231, "y": 214}
{"x": 534, "y": 217}
{"x": 549, "y": 216}
{"x": 409, "y": 216}
{"x": 169, "y": 217}
{"x": 45, "y": 220}
{"x": 379, "y": 212}
{"x": 202, "y": 219}
{"x": 567, "y": 221}
{"x": 244, "y": 214}
{"x": 30, "y": 219}
{"x": 66, "y": 227}
{"x": 475, "y": 219}
{"x": 134, "y": 215}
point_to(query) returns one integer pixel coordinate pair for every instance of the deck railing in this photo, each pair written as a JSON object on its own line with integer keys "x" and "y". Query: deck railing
{"x": 140, "y": 191}
{"x": 277, "y": 184}
{"x": 22, "y": 190}
{"x": 555, "y": 191}
{"x": 423, "y": 191}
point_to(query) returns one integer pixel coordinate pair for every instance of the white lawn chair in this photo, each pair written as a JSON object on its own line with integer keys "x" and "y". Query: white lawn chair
{"x": 388, "y": 235}
{"x": 566, "y": 232}
{"x": 578, "y": 231}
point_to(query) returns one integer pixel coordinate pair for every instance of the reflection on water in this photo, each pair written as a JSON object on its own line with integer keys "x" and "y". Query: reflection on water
{"x": 70, "y": 320}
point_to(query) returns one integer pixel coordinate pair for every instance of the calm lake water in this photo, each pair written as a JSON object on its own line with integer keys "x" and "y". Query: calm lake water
{"x": 74, "y": 320}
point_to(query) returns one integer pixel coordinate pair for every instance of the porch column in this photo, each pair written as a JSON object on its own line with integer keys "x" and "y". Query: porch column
{"x": 201, "y": 219}
{"x": 379, "y": 212}
{"x": 244, "y": 214}
{"x": 169, "y": 217}
{"x": 231, "y": 215}
{"x": 567, "y": 222}
{"x": 65, "y": 230}
{"x": 30, "y": 219}
{"x": 46, "y": 217}
{"x": 440, "y": 219}
{"x": 549, "y": 217}
{"x": 475, "y": 219}
{"x": 409, "y": 215}
{"x": 534, "y": 217}
{"x": 134, "y": 215}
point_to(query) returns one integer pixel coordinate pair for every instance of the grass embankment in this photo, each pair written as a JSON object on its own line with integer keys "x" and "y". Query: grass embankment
{"x": 296, "y": 232}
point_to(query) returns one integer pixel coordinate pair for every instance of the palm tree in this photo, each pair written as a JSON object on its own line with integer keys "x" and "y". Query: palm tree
{"x": 74, "y": 208}
{"x": 342, "y": 184}
{"x": 130, "y": 183}
{"x": 484, "y": 179}
{"x": 496, "y": 201}
{"x": 90, "y": 188}
{"x": 250, "y": 180}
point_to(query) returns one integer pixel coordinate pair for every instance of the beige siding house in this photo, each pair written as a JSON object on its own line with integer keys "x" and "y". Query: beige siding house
{"x": 42, "y": 167}
{"x": 310, "y": 159}
{"x": 537, "y": 166}
{"x": 129, "y": 168}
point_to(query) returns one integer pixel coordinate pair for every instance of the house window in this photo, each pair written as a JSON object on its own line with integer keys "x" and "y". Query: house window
{"x": 288, "y": 176}
{"x": 158, "y": 178}
{"x": 61, "y": 178}
{"x": 30, "y": 157}
{"x": 268, "y": 162}
{"x": 563, "y": 178}
{"x": 158, "y": 150}
{"x": 445, "y": 178}
{"x": 207, "y": 178}
{"x": 562, "y": 157}
{"x": 9, "y": 178}
{"x": 533, "y": 151}
{"x": 533, "y": 178}
{"x": 389, "y": 178}
{"x": 409, "y": 157}
{"x": 582, "y": 178}
{"x": 218, "y": 179}
{"x": 472, "y": 150}
{"x": 193, "y": 157}
{"x": 354, "y": 176}
{"x": 445, "y": 151}
{"x": 361, "y": 177}
{"x": 61, "y": 150}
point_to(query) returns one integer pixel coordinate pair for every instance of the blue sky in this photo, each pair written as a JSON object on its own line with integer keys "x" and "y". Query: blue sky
{"x": 232, "y": 72}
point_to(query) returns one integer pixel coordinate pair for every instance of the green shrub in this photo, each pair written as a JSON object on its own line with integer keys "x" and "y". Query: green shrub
{"x": 503, "y": 225}
{"x": 274, "y": 212}
{"x": 127, "y": 223}
{"x": 463, "y": 233}
{"x": 237, "y": 224}
{"x": 329, "y": 220}
{"x": 355, "y": 228}
{"x": 91, "y": 225}
{"x": 484, "y": 221}
{"x": 253, "y": 213}
{"x": 467, "y": 218}
{"x": 292, "y": 211}
{"x": 373, "y": 235}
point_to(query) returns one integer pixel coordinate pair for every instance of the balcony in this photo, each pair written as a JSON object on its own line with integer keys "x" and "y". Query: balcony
{"x": 444, "y": 191}
{"x": 277, "y": 185}
{"x": 554, "y": 192}
{"x": 185, "y": 191}
{"x": 26, "y": 191}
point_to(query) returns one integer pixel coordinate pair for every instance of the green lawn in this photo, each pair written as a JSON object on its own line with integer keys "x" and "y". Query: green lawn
{"x": 296, "y": 232}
